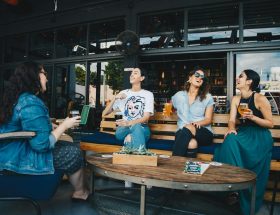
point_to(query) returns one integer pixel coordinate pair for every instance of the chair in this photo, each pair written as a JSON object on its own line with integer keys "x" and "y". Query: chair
{"x": 23, "y": 187}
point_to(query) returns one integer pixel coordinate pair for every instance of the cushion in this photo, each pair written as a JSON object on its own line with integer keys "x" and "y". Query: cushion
{"x": 102, "y": 138}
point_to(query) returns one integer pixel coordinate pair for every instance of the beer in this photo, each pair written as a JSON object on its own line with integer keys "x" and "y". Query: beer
{"x": 242, "y": 108}
{"x": 167, "y": 109}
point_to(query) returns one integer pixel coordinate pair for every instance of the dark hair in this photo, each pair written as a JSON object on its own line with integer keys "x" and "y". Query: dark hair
{"x": 25, "y": 79}
{"x": 204, "y": 88}
{"x": 254, "y": 76}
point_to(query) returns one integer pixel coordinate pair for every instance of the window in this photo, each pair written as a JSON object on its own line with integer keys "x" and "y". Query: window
{"x": 262, "y": 21}
{"x": 71, "y": 41}
{"x": 103, "y": 36}
{"x": 162, "y": 30}
{"x": 215, "y": 25}
{"x": 41, "y": 45}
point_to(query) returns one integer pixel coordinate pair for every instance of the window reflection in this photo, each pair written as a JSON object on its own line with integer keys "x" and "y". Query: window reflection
{"x": 267, "y": 65}
{"x": 41, "y": 45}
{"x": 162, "y": 30}
{"x": 261, "y": 22}
{"x": 71, "y": 41}
{"x": 103, "y": 36}
{"x": 218, "y": 25}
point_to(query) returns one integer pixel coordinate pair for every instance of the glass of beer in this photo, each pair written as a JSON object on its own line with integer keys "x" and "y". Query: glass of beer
{"x": 242, "y": 108}
{"x": 168, "y": 109}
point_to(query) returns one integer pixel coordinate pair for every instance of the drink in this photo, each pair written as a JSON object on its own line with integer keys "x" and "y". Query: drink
{"x": 74, "y": 113}
{"x": 242, "y": 108}
{"x": 167, "y": 109}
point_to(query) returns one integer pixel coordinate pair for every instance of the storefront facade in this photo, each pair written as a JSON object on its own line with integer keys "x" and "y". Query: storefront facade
{"x": 76, "y": 44}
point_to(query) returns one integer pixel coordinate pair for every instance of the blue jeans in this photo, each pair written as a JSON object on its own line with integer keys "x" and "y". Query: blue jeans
{"x": 140, "y": 134}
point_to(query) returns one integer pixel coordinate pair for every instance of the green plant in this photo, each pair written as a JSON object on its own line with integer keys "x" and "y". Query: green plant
{"x": 136, "y": 151}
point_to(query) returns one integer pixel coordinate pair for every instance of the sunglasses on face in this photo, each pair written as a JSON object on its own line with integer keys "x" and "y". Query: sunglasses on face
{"x": 198, "y": 75}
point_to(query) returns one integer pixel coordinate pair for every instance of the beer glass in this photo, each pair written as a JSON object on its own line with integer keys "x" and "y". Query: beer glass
{"x": 168, "y": 109}
{"x": 242, "y": 108}
{"x": 73, "y": 113}
{"x": 118, "y": 116}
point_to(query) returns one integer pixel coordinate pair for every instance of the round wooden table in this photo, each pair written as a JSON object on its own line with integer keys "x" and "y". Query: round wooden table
{"x": 169, "y": 174}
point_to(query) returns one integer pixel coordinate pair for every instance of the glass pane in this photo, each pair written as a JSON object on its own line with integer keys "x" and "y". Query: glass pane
{"x": 111, "y": 80}
{"x": 69, "y": 88}
{"x": 103, "y": 36}
{"x": 162, "y": 30}
{"x": 41, "y": 45}
{"x": 48, "y": 95}
{"x": 267, "y": 65}
{"x": 261, "y": 22}
{"x": 71, "y": 41}
{"x": 15, "y": 49}
{"x": 217, "y": 25}
{"x": 166, "y": 77}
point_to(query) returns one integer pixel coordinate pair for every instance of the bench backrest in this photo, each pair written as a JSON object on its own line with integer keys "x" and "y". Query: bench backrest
{"x": 163, "y": 127}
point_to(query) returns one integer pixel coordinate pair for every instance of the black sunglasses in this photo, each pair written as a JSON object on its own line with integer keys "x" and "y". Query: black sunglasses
{"x": 198, "y": 75}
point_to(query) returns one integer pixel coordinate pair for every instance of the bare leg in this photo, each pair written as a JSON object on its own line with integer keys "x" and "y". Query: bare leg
{"x": 77, "y": 180}
{"x": 128, "y": 139}
{"x": 192, "y": 144}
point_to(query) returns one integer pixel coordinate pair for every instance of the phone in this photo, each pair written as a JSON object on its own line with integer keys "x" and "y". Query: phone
{"x": 84, "y": 114}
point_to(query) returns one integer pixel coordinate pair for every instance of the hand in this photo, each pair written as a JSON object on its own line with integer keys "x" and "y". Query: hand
{"x": 54, "y": 126}
{"x": 231, "y": 131}
{"x": 122, "y": 122}
{"x": 248, "y": 114}
{"x": 120, "y": 96}
{"x": 72, "y": 122}
{"x": 196, "y": 124}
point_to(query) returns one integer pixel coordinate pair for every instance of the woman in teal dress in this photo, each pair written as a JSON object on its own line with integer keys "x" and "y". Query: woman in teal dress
{"x": 249, "y": 146}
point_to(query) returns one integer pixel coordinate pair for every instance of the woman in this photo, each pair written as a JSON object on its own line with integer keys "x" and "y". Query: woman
{"x": 195, "y": 110}
{"x": 22, "y": 110}
{"x": 250, "y": 145}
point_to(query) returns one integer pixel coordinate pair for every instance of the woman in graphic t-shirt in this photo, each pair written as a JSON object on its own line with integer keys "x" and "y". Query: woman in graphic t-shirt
{"x": 136, "y": 105}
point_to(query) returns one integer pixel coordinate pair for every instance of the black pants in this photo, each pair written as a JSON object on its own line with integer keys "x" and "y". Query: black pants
{"x": 183, "y": 137}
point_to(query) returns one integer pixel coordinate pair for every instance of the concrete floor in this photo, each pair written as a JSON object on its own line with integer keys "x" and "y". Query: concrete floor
{"x": 116, "y": 202}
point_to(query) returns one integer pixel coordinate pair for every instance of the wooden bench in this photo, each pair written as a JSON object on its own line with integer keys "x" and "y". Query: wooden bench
{"x": 163, "y": 129}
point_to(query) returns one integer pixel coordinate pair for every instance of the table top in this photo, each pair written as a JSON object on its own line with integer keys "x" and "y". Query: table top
{"x": 169, "y": 173}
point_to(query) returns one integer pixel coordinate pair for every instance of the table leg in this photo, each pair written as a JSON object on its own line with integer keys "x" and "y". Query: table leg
{"x": 253, "y": 199}
{"x": 143, "y": 200}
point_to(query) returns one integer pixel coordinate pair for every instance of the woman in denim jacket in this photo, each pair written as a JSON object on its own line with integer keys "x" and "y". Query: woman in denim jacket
{"x": 195, "y": 110}
{"x": 22, "y": 110}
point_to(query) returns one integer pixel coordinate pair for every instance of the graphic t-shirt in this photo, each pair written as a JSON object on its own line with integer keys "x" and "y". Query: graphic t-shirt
{"x": 135, "y": 104}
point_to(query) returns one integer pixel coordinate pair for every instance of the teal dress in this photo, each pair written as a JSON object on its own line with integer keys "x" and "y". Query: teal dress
{"x": 250, "y": 149}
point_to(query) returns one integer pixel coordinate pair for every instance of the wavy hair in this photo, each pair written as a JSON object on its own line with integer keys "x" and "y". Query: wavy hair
{"x": 204, "y": 88}
{"x": 25, "y": 79}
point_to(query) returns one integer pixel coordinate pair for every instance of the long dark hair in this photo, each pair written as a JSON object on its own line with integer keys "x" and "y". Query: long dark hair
{"x": 24, "y": 79}
{"x": 204, "y": 88}
{"x": 254, "y": 76}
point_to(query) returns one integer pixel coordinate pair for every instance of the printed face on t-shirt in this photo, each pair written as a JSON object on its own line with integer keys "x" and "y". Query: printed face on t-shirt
{"x": 134, "y": 107}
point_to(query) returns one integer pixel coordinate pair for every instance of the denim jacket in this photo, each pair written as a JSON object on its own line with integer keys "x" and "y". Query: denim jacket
{"x": 191, "y": 113}
{"x": 32, "y": 156}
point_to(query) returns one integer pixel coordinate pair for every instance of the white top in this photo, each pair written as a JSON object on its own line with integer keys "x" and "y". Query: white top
{"x": 135, "y": 104}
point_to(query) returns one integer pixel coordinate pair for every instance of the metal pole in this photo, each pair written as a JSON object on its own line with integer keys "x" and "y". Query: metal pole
{"x": 142, "y": 200}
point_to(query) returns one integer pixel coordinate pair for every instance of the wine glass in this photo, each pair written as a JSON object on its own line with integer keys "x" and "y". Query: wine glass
{"x": 242, "y": 108}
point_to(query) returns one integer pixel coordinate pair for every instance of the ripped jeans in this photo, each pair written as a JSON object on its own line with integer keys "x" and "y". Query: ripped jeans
{"x": 140, "y": 134}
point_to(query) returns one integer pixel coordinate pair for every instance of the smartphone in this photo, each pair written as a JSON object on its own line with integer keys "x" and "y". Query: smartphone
{"x": 84, "y": 114}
